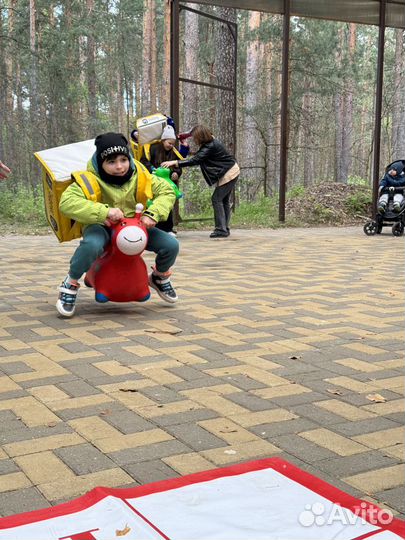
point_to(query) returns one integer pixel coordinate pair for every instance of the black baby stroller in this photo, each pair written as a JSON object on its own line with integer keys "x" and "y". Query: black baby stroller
{"x": 389, "y": 217}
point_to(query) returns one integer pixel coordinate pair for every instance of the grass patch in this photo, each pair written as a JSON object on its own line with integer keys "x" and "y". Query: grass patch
{"x": 260, "y": 214}
{"x": 23, "y": 210}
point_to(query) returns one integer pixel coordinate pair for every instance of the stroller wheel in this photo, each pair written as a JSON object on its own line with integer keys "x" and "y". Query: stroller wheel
{"x": 370, "y": 228}
{"x": 398, "y": 229}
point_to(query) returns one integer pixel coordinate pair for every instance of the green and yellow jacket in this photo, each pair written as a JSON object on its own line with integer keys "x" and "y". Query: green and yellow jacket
{"x": 158, "y": 192}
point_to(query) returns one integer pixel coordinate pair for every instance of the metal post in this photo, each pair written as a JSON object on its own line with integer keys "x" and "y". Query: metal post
{"x": 174, "y": 60}
{"x": 378, "y": 105}
{"x": 284, "y": 110}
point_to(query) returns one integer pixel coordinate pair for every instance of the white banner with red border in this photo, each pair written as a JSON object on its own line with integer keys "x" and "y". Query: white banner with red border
{"x": 269, "y": 499}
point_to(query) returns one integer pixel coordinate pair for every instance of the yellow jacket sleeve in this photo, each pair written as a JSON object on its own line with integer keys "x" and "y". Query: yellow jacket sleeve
{"x": 73, "y": 203}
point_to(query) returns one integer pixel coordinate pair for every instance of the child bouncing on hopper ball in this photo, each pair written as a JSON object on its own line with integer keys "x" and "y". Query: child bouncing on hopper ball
{"x": 117, "y": 177}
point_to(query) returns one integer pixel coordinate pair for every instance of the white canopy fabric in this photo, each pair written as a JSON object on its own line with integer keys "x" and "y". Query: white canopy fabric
{"x": 357, "y": 11}
{"x": 62, "y": 160}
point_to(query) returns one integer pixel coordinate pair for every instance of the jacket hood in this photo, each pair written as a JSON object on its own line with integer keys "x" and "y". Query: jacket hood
{"x": 398, "y": 166}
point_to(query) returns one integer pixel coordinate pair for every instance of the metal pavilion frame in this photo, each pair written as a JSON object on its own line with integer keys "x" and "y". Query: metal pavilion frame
{"x": 350, "y": 11}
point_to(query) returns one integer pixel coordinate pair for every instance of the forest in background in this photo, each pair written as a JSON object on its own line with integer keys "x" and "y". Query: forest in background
{"x": 72, "y": 69}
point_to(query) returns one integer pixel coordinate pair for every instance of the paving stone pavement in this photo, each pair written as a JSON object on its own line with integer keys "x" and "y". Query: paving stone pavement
{"x": 277, "y": 346}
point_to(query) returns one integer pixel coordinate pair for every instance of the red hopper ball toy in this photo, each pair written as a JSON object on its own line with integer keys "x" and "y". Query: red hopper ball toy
{"x": 120, "y": 274}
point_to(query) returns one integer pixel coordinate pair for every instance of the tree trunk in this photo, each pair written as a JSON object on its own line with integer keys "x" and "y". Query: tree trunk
{"x": 226, "y": 63}
{"x": 149, "y": 59}
{"x": 91, "y": 74}
{"x": 3, "y": 94}
{"x": 307, "y": 136}
{"x": 347, "y": 127}
{"x": 190, "y": 47}
{"x": 251, "y": 154}
{"x": 34, "y": 67}
{"x": 74, "y": 122}
{"x": 339, "y": 119}
{"x": 164, "y": 87}
{"x": 153, "y": 57}
{"x": 269, "y": 180}
{"x": 138, "y": 97}
{"x": 398, "y": 109}
{"x": 8, "y": 90}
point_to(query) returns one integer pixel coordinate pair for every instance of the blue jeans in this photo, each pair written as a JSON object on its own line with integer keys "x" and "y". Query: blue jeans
{"x": 96, "y": 238}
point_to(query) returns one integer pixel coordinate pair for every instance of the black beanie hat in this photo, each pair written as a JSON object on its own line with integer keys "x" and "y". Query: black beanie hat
{"x": 110, "y": 144}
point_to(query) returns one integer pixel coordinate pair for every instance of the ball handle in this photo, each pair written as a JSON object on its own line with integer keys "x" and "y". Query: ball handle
{"x": 138, "y": 209}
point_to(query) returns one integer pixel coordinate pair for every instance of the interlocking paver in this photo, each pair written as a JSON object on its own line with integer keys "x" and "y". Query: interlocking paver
{"x": 250, "y": 402}
{"x": 378, "y": 479}
{"x": 188, "y": 463}
{"x": 359, "y": 427}
{"x": 198, "y": 437}
{"x": 356, "y": 463}
{"x": 247, "y": 365}
{"x": 150, "y": 471}
{"x": 303, "y": 449}
{"x": 393, "y": 497}
{"x": 22, "y": 500}
{"x": 151, "y": 452}
{"x": 295, "y": 425}
{"x": 84, "y": 459}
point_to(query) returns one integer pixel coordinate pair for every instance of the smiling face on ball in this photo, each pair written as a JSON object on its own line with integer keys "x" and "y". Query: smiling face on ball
{"x": 131, "y": 240}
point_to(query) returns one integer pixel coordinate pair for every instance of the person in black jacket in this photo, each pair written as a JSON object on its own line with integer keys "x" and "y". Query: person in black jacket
{"x": 219, "y": 169}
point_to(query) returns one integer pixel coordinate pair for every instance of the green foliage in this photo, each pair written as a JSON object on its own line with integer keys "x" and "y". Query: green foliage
{"x": 262, "y": 213}
{"x": 197, "y": 196}
{"x": 321, "y": 214}
{"x": 296, "y": 191}
{"x": 357, "y": 181}
{"x": 359, "y": 202}
{"x": 22, "y": 206}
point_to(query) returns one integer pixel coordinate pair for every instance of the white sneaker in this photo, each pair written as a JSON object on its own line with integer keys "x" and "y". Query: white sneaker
{"x": 163, "y": 287}
{"x": 66, "y": 303}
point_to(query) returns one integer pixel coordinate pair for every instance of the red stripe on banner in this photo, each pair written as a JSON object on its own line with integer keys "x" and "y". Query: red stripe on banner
{"x": 138, "y": 513}
{"x": 307, "y": 480}
{"x": 367, "y": 535}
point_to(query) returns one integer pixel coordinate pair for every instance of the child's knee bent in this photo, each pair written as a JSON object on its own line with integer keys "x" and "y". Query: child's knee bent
{"x": 171, "y": 248}
{"x": 93, "y": 247}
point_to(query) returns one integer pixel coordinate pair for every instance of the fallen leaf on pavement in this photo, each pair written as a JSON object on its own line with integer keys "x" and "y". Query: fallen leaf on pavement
{"x": 377, "y": 398}
{"x": 333, "y": 391}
